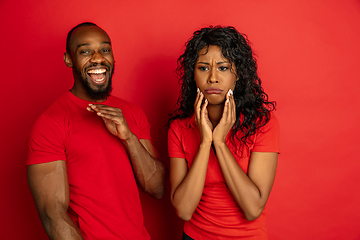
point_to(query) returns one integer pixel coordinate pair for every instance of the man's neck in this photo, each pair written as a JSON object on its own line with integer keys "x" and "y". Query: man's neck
{"x": 83, "y": 95}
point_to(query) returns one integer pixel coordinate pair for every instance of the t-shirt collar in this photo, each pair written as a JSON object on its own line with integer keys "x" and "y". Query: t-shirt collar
{"x": 191, "y": 122}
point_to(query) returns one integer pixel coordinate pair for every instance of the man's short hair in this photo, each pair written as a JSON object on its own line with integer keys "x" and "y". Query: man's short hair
{"x": 84, "y": 24}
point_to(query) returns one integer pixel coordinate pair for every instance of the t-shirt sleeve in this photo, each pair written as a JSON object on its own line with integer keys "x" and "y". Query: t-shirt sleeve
{"x": 175, "y": 148}
{"x": 143, "y": 124}
{"x": 45, "y": 142}
{"x": 267, "y": 139}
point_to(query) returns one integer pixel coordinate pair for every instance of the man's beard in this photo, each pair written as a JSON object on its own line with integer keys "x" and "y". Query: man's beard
{"x": 95, "y": 94}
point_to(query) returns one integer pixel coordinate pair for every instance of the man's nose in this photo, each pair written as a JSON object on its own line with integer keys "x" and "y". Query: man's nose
{"x": 97, "y": 57}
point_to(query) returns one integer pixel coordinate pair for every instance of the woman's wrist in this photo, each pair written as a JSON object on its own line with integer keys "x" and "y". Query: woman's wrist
{"x": 220, "y": 143}
{"x": 205, "y": 143}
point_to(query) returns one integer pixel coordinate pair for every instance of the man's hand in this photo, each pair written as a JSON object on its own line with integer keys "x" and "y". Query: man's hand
{"x": 114, "y": 120}
{"x": 149, "y": 170}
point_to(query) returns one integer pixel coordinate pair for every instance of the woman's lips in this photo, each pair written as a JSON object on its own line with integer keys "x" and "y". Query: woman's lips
{"x": 213, "y": 91}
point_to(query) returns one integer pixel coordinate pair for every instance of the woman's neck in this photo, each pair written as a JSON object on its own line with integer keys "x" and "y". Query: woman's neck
{"x": 215, "y": 113}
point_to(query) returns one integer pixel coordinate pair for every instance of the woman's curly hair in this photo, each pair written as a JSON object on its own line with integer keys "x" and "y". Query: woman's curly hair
{"x": 252, "y": 105}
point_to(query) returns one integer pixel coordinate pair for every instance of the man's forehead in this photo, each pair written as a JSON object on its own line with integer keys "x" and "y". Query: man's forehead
{"x": 87, "y": 35}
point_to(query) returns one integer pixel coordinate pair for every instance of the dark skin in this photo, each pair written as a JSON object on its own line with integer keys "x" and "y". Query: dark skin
{"x": 91, "y": 55}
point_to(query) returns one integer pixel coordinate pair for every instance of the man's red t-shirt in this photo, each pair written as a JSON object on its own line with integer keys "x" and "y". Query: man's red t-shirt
{"x": 104, "y": 197}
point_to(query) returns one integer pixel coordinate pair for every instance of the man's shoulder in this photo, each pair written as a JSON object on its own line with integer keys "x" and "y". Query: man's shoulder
{"x": 124, "y": 105}
{"x": 118, "y": 100}
{"x": 57, "y": 109}
{"x": 59, "y": 104}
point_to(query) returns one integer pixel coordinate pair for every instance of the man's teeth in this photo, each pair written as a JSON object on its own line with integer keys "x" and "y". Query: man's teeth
{"x": 97, "y": 71}
{"x": 99, "y": 80}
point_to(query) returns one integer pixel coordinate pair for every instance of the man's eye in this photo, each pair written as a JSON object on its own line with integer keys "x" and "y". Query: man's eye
{"x": 106, "y": 50}
{"x": 84, "y": 52}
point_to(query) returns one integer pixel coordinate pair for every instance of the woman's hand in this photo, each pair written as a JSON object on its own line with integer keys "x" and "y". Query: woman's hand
{"x": 227, "y": 120}
{"x": 202, "y": 119}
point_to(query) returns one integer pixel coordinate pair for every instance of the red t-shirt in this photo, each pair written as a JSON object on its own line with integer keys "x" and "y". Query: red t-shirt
{"x": 218, "y": 216}
{"x": 104, "y": 198}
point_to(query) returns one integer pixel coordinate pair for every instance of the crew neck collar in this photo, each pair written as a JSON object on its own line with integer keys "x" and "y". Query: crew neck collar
{"x": 76, "y": 98}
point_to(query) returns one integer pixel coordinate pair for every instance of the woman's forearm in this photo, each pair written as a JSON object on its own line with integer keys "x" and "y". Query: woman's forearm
{"x": 250, "y": 195}
{"x": 187, "y": 195}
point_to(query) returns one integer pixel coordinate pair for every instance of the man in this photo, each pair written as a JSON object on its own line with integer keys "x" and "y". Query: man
{"x": 86, "y": 148}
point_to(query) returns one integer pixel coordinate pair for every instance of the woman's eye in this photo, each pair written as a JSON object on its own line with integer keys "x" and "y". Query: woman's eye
{"x": 203, "y": 68}
{"x": 222, "y": 68}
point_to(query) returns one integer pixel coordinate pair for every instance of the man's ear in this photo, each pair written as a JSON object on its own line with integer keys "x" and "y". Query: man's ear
{"x": 67, "y": 60}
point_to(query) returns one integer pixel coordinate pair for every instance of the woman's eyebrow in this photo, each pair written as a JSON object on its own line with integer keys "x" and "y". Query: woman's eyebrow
{"x": 216, "y": 63}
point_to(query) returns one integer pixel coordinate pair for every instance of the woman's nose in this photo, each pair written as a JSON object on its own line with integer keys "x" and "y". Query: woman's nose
{"x": 213, "y": 76}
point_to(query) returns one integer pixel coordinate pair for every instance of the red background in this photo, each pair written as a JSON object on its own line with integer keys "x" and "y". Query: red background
{"x": 308, "y": 55}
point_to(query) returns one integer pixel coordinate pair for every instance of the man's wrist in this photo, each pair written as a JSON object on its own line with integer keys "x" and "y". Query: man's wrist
{"x": 130, "y": 139}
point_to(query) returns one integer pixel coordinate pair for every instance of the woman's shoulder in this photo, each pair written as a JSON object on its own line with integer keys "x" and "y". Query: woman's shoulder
{"x": 183, "y": 122}
{"x": 271, "y": 127}
{"x": 273, "y": 121}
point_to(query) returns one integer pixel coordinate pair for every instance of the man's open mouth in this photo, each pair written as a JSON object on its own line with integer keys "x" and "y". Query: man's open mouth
{"x": 97, "y": 75}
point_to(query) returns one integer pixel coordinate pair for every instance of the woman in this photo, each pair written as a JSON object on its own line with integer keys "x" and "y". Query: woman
{"x": 223, "y": 139}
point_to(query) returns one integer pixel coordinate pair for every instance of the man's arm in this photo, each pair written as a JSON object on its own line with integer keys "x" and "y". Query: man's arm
{"x": 49, "y": 186}
{"x": 149, "y": 170}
